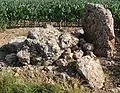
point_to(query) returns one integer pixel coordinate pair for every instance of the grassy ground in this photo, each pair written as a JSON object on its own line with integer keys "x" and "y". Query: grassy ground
{"x": 10, "y": 84}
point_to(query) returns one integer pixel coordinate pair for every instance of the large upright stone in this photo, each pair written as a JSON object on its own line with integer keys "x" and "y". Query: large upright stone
{"x": 98, "y": 25}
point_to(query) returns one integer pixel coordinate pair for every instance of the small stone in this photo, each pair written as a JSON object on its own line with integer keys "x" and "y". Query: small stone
{"x": 30, "y": 67}
{"x": 77, "y": 54}
{"x": 15, "y": 44}
{"x": 69, "y": 57}
{"x": 24, "y": 57}
{"x": 61, "y": 62}
{"x": 2, "y": 64}
{"x": 33, "y": 34}
{"x": 67, "y": 51}
{"x": 67, "y": 40}
{"x": 81, "y": 42}
{"x": 75, "y": 48}
{"x": 47, "y": 63}
{"x": 16, "y": 75}
{"x": 48, "y": 68}
{"x": 11, "y": 58}
{"x": 88, "y": 47}
{"x": 78, "y": 33}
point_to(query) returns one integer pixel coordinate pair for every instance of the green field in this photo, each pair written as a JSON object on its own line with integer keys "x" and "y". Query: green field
{"x": 49, "y": 10}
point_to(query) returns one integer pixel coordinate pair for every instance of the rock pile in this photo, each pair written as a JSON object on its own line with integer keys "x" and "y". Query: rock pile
{"x": 48, "y": 46}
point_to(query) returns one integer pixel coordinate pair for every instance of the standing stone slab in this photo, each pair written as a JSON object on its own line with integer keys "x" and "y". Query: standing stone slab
{"x": 98, "y": 25}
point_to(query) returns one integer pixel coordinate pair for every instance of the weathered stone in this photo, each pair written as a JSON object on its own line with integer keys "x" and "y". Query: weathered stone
{"x": 2, "y": 64}
{"x": 115, "y": 90}
{"x": 91, "y": 70}
{"x": 48, "y": 68}
{"x": 36, "y": 60}
{"x": 15, "y": 44}
{"x": 88, "y": 47}
{"x": 11, "y": 58}
{"x": 75, "y": 48}
{"x": 23, "y": 57}
{"x": 81, "y": 42}
{"x": 47, "y": 62}
{"x": 49, "y": 48}
{"x": 77, "y": 54}
{"x": 33, "y": 34}
{"x": 67, "y": 40}
{"x": 98, "y": 25}
{"x": 78, "y": 33}
{"x": 67, "y": 54}
{"x": 61, "y": 62}
{"x": 45, "y": 42}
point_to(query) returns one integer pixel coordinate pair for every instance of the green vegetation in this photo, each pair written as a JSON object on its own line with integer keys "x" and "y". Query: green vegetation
{"x": 9, "y": 84}
{"x": 14, "y": 11}
{"x": 39, "y": 10}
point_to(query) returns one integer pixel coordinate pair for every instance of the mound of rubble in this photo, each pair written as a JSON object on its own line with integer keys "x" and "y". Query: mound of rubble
{"x": 50, "y": 47}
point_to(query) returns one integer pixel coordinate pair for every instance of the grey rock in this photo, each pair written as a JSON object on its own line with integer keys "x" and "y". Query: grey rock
{"x": 88, "y": 47}
{"x": 2, "y": 63}
{"x": 61, "y": 62}
{"x": 33, "y": 34}
{"x": 48, "y": 68}
{"x": 81, "y": 42}
{"x": 15, "y": 44}
{"x": 91, "y": 70}
{"x": 46, "y": 42}
{"x": 11, "y": 58}
{"x": 78, "y": 33}
{"x": 47, "y": 62}
{"x": 67, "y": 54}
{"x": 67, "y": 40}
{"x": 115, "y": 90}
{"x": 78, "y": 54}
{"x": 36, "y": 60}
{"x": 23, "y": 57}
{"x": 75, "y": 48}
{"x": 98, "y": 25}
{"x": 43, "y": 45}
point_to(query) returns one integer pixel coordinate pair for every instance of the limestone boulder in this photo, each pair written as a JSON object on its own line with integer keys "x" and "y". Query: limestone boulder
{"x": 43, "y": 44}
{"x": 67, "y": 40}
{"x": 98, "y": 25}
{"x": 91, "y": 70}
